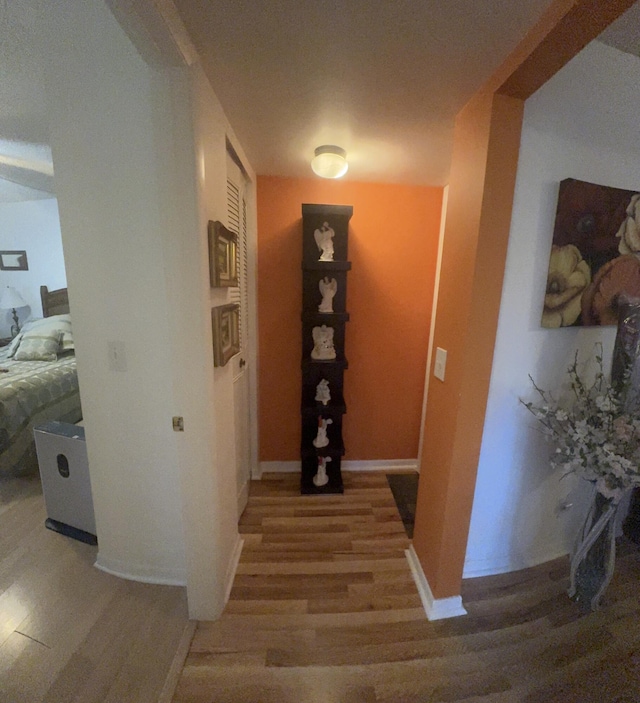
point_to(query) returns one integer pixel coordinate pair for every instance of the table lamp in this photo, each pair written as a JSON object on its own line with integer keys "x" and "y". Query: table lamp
{"x": 10, "y": 299}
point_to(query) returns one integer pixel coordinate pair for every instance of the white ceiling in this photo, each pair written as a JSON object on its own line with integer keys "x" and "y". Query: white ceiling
{"x": 26, "y": 170}
{"x": 624, "y": 33}
{"x": 381, "y": 78}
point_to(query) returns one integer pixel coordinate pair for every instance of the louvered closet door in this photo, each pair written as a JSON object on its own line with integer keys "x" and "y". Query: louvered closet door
{"x": 237, "y": 222}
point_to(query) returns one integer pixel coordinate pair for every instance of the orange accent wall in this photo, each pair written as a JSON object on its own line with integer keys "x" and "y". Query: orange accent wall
{"x": 487, "y": 139}
{"x": 393, "y": 241}
{"x": 484, "y": 165}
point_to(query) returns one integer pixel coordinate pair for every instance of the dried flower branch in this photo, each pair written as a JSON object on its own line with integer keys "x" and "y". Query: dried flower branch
{"x": 594, "y": 437}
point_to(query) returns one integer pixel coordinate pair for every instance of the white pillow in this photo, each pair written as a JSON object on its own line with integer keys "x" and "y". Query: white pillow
{"x": 38, "y": 345}
{"x": 46, "y": 329}
{"x": 14, "y": 344}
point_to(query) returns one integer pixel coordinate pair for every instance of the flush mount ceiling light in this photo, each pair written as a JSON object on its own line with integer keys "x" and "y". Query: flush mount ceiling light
{"x": 329, "y": 161}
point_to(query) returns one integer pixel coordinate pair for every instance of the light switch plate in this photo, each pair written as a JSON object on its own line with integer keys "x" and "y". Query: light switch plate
{"x": 440, "y": 363}
{"x": 117, "y": 356}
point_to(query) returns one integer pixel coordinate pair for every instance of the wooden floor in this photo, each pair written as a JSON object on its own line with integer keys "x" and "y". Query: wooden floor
{"x": 69, "y": 632}
{"x": 324, "y": 610}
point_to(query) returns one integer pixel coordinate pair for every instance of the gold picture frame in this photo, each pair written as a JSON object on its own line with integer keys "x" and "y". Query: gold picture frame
{"x": 223, "y": 256}
{"x": 225, "y": 324}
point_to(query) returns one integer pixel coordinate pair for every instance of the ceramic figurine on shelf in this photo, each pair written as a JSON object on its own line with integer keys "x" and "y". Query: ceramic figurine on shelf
{"x": 323, "y": 348}
{"x": 321, "y": 439}
{"x": 322, "y": 392}
{"x": 324, "y": 239}
{"x": 328, "y": 289}
{"x": 321, "y": 478}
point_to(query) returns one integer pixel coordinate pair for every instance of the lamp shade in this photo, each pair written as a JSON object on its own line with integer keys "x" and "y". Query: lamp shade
{"x": 11, "y": 299}
{"x": 330, "y": 161}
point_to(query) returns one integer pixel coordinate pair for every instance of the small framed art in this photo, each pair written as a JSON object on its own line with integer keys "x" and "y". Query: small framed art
{"x": 13, "y": 261}
{"x": 225, "y": 323}
{"x": 223, "y": 263}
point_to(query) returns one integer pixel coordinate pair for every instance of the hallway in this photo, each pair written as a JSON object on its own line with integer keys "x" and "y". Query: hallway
{"x": 324, "y": 608}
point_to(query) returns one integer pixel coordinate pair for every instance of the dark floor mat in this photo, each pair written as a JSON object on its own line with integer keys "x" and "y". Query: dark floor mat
{"x": 405, "y": 492}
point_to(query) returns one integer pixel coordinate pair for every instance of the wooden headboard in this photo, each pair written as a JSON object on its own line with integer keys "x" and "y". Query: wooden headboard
{"x": 54, "y": 302}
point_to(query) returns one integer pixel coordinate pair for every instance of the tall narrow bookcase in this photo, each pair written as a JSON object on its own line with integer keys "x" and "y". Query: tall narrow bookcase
{"x": 325, "y": 265}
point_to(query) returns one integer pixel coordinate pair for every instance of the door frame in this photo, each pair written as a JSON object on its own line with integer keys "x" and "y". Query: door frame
{"x": 248, "y": 193}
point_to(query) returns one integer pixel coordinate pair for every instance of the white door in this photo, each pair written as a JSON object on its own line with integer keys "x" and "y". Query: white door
{"x": 237, "y": 222}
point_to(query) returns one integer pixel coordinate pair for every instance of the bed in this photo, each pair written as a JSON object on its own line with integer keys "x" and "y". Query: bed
{"x": 38, "y": 382}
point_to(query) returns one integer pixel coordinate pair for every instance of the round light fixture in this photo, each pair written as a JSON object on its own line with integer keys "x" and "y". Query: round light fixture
{"x": 330, "y": 161}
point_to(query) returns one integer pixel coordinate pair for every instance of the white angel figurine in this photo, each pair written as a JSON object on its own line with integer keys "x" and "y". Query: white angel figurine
{"x": 324, "y": 240}
{"x": 328, "y": 289}
{"x": 321, "y": 478}
{"x": 322, "y": 392}
{"x": 321, "y": 439}
{"x": 323, "y": 343}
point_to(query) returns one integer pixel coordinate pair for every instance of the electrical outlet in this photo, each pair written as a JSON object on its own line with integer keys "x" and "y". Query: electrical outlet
{"x": 440, "y": 363}
{"x": 178, "y": 424}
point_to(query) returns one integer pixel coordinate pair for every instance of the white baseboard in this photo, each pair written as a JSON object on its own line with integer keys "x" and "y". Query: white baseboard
{"x": 435, "y": 608}
{"x": 279, "y": 467}
{"x": 381, "y": 465}
{"x": 476, "y": 569}
{"x": 256, "y": 472}
{"x": 290, "y": 467}
{"x": 506, "y": 564}
{"x": 243, "y": 498}
{"x": 144, "y": 574}
{"x": 232, "y": 568}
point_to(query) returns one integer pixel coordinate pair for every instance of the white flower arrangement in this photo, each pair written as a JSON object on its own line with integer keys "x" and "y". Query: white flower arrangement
{"x": 595, "y": 437}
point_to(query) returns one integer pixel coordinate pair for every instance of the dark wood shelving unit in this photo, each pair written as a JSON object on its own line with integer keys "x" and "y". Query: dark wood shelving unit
{"x": 314, "y": 371}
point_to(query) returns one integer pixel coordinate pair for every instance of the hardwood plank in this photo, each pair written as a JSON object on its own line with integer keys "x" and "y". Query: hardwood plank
{"x": 355, "y": 604}
{"x": 294, "y": 620}
{"x": 324, "y": 607}
{"x": 305, "y": 528}
{"x": 171, "y": 681}
{"x": 294, "y": 522}
{"x": 294, "y": 582}
{"x": 11, "y": 650}
{"x": 100, "y": 654}
{"x": 163, "y": 621}
{"x": 267, "y": 607}
{"x": 271, "y": 554}
{"x": 69, "y": 632}
{"x": 329, "y": 542}
{"x": 355, "y": 566}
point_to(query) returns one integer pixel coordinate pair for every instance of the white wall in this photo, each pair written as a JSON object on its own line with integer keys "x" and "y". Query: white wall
{"x": 140, "y": 151}
{"x": 32, "y": 226}
{"x": 210, "y": 516}
{"x": 582, "y": 124}
{"x": 103, "y": 120}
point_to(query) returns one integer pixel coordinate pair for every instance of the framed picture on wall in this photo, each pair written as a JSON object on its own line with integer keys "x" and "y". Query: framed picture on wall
{"x": 225, "y": 323}
{"x": 13, "y": 261}
{"x": 594, "y": 256}
{"x": 223, "y": 261}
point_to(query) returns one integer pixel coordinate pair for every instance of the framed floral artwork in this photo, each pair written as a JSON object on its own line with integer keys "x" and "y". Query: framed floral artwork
{"x": 595, "y": 254}
{"x": 223, "y": 256}
{"x": 225, "y": 323}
